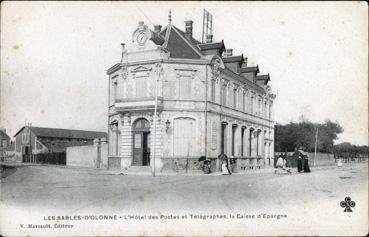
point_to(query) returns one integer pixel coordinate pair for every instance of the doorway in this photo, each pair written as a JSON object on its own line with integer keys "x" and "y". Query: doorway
{"x": 141, "y": 143}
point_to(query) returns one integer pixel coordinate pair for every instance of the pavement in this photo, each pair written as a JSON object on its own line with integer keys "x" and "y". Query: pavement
{"x": 310, "y": 201}
{"x": 95, "y": 171}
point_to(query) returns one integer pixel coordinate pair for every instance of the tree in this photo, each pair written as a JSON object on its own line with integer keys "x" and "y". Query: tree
{"x": 302, "y": 135}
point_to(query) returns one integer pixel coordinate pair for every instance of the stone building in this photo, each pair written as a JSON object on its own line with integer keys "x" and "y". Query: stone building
{"x": 208, "y": 102}
{"x": 5, "y": 143}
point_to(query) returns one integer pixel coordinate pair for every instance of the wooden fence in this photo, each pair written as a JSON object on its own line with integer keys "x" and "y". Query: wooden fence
{"x": 55, "y": 158}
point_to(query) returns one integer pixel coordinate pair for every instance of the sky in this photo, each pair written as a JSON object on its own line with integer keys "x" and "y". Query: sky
{"x": 54, "y": 57}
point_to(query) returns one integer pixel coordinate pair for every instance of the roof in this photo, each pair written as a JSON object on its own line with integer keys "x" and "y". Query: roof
{"x": 64, "y": 133}
{"x": 263, "y": 77}
{"x": 238, "y": 58}
{"x": 179, "y": 45}
{"x": 209, "y": 46}
{"x": 61, "y": 145}
{"x": 3, "y": 135}
{"x": 250, "y": 69}
{"x": 191, "y": 40}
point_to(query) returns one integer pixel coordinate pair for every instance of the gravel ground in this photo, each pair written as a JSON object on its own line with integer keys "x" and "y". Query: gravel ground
{"x": 310, "y": 201}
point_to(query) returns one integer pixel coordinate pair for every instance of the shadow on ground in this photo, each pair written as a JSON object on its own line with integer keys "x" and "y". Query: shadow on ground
{"x": 5, "y": 171}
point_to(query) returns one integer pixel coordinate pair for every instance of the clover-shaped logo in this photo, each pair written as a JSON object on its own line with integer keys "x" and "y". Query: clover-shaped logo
{"x": 347, "y": 204}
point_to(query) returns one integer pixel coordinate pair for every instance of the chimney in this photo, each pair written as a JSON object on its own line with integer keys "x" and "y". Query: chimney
{"x": 157, "y": 28}
{"x": 229, "y": 52}
{"x": 188, "y": 29}
{"x": 209, "y": 38}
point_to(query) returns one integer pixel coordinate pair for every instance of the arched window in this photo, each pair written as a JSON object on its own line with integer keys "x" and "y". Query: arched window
{"x": 141, "y": 124}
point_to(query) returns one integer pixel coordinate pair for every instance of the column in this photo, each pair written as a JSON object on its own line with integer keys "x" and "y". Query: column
{"x": 126, "y": 141}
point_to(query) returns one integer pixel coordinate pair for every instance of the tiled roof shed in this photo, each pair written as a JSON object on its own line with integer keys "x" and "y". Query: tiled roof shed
{"x": 65, "y": 133}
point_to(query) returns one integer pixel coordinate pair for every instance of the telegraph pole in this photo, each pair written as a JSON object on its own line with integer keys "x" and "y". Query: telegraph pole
{"x": 316, "y": 144}
{"x": 154, "y": 123}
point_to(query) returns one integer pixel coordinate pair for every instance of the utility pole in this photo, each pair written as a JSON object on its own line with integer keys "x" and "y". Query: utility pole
{"x": 316, "y": 144}
{"x": 158, "y": 72}
{"x": 154, "y": 121}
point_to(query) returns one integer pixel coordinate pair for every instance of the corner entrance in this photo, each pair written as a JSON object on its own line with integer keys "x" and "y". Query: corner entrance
{"x": 141, "y": 143}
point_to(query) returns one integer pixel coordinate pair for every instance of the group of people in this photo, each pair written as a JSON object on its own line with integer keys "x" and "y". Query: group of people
{"x": 281, "y": 165}
{"x": 302, "y": 165}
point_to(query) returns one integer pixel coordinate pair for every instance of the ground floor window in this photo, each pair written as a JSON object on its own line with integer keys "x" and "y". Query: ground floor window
{"x": 184, "y": 137}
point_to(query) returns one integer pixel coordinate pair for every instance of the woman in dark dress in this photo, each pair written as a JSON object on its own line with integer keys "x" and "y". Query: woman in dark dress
{"x": 299, "y": 164}
{"x": 306, "y": 165}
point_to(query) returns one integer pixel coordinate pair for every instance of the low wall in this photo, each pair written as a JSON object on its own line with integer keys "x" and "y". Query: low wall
{"x": 322, "y": 159}
{"x": 82, "y": 156}
{"x": 88, "y": 156}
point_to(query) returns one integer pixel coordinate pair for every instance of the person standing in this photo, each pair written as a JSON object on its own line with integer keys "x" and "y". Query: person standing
{"x": 299, "y": 164}
{"x": 225, "y": 164}
{"x": 306, "y": 165}
{"x": 279, "y": 165}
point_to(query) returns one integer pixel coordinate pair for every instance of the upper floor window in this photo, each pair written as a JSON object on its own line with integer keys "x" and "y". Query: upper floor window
{"x": 244, "y": 102}
{"x": 252, "y": 104}
{"x": 25, "y": 137}
{"x": 259, "y": 107}
{"x": 235, "y": 98}
{"x": 270, "y": 111}
{"x": 141, "y": 86}
{"x": 224, "y": 95}
{"x": 184, "y": 88}
{"x": 230, "y": 97}
{"x": 213, "y": 90}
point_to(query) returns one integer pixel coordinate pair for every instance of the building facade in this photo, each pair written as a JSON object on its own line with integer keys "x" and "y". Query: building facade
{"x": 5, "y": 144}
{"x": 208, "y": 102}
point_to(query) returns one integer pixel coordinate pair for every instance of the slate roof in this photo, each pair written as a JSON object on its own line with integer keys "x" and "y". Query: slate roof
{"x": 61, "y": 145}
{"x": 250, "y": 69}
{"x": 231, "y": 59}
{"x": 263, "y": 77}
{"x": 179, "y": 45}
{"x": 64, "y": 133}
{"x": 208, "y": 46}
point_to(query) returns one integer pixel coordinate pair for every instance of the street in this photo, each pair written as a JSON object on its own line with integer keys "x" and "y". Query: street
{"x": 310, "y": 201}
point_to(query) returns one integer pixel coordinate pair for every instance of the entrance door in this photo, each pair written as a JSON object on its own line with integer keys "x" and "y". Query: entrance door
{"x": 141, "y": 141}
{"x": 26, "y": 154}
